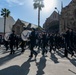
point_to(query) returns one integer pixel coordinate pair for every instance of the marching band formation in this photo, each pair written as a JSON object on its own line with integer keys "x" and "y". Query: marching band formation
{"x": 41, "y": 41}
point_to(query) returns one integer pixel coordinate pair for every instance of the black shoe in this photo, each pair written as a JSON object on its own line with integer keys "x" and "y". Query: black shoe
{"x": 10, "y": 53}
{"x": 46, "y": 51}
{"x": 13, "y": 52}
{"x": 38, "y": 48}
{"x": 35, "y": 55}
{"x": 22, "y": 51}
{"x": 30, "y": 56}
{"x": 72, "y": 54}
{"x": 6, "y": 49}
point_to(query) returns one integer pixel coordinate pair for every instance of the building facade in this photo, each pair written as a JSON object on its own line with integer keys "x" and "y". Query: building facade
{"x": 52, "y": 23}
{"x": 20, "y": 25}
{"x": 68, "y": 17}
{"x": 9, "y": 23}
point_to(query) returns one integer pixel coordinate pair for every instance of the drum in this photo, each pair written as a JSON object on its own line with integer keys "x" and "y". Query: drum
{"x": 25, "y": 34}
{"x": 6, "y": 36}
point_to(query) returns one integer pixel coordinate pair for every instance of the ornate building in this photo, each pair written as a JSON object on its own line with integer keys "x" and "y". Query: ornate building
{"x": 19, "y": 26}
{"x": 68, "y": 17}
{"x": 52, "y": 23}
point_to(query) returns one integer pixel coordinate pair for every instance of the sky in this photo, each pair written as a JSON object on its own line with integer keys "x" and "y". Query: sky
{"x": 24, "y": 9}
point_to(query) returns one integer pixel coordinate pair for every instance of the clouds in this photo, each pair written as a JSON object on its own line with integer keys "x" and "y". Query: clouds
{"x": 18, "y": 2}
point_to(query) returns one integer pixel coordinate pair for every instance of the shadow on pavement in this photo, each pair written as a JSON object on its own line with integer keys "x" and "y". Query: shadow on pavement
{"x": 17, "y": 70}
{"x": 72, "y": 71}
{"x": 59, "y": 53}
{"x": 41, "y": 65}
{"x": 73, "y": 61}
{"x": 54, "y": 58}
{"x": 7, "y": 58}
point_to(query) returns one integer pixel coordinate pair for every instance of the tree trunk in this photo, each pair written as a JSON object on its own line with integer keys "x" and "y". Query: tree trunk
{"x": 38, "y": 16}
{"x": 4, "y": 24}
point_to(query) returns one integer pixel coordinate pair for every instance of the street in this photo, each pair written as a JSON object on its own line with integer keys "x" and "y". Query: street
{"x": 50, "y": 64}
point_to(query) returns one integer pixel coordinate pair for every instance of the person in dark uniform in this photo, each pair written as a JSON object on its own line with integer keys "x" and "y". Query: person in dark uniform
{"x": 44, "y": 43}
{"x": 67, "y": 36}
{"x": 12, "y": 39}
{"x": 32, "y": 38}
{"x": 51, "y": 41}
{"x": 22, "y": 45}
{"x": 17, "y": 42}
{"x": 71, "y": 46}
{"x": 6, "y": 43}
{"x": 68, "y": 43}
{"x": 39, "y": 41}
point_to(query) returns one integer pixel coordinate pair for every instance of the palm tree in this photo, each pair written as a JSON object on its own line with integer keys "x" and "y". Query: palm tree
{"x": 5, "y": 13}
{"x": 38, "y": 4}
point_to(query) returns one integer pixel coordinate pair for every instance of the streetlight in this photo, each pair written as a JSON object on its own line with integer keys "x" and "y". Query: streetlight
{"x": 58, "y": 18}
{"x": 38, "y": 4}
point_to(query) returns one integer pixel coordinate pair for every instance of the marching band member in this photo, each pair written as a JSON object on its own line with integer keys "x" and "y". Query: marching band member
{"x": 12, "y": 39}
